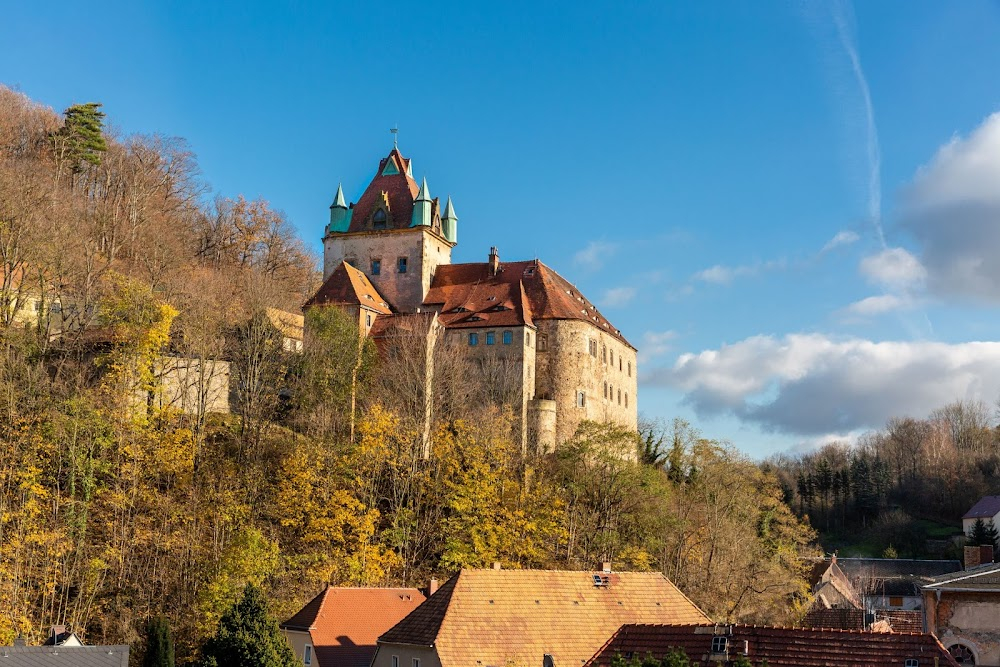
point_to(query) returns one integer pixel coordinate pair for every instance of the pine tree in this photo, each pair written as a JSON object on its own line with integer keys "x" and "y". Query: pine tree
{"x": 159, "y": 644}
{"x": 248, "y": 636}
{"x": 81, "y": 139}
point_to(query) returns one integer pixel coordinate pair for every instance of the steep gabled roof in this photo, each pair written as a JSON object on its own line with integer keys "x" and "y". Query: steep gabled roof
{"x": 497, "y": 617}
{"x": 781, "y": 647}
{"x": 344, "y": 623}
{"x": 393, "y": 185}
{"x": 987, "y": 508}
{"x": 347, "y": 286}
{"x": 519, "y": 294}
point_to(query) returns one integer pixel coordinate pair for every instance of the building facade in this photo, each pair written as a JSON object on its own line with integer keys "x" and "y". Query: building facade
{"x": 389, "y": 256}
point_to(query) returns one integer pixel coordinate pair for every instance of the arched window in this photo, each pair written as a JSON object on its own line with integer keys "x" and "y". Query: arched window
{"x": 379, "y": 219}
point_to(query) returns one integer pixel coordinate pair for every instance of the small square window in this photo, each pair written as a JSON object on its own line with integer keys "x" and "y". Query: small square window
{"x": 401, "y": 265}
{"x": 911, "y": 662}
{"x": 376, "y": 267}
{"x": 473, "y": 339}
{"x": 895, "y": 601}
{"x": 720, "y": 644}
{"x": 508, "y": 337}
{"x": 491, "y": 338}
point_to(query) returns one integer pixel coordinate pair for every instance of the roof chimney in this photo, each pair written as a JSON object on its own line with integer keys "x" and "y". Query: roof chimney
{"x": 971, "y": 557}
{"x": 432, "y": 587}
{"x": 606, "y": 567}
{"x": 985, "y": 553}
{"x": 494, "y": 261}
{"x": 19, "y": 641}
{"x": 496, "y": 565}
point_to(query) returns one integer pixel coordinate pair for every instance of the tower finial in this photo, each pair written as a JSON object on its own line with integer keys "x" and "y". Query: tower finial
{"x": 395, "y": 135}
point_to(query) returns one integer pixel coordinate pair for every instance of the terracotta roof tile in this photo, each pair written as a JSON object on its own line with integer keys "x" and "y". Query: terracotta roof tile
{"x": 781, "y": 647}
{"x": 349, "y": 286}
{"x": 520, "y": 293}
{"x": 496, "y": 617}
{"x": 344, "y": 623}
{"x": 897, "y": 620}
{"x": 398, "y": 190}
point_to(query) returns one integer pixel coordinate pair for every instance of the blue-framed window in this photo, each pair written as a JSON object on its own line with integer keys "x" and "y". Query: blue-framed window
{"x": 401, "y": 265}
{"x": 473, "y": 339}
{"x": 491, "y": 338}
{"x": 376, "y": 267}
{"x": 508, "y": 337}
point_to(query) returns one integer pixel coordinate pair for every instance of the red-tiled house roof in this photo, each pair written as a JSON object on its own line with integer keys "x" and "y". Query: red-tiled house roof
{"x": 893, "y": 620}
{"x": 498, "y": 617}
{"x": 347, "y": 286}
{"x": 344, "y": 623}
{"x": 781, "y": 647}
{"x": 520, "y": 293}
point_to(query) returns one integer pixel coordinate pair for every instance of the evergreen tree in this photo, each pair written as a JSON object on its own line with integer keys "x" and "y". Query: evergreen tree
{"x": 248, "y": 636}
{"x": 159, "y": 644}
{"x": 983, "y": 533}
{"x": 81, "y": 138}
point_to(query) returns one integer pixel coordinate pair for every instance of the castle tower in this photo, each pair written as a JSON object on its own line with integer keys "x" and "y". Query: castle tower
{"x": 394, "y": 234}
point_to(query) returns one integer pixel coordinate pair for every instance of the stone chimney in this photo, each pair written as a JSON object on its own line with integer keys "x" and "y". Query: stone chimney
{"x": 494, "y": 261}
{"x": 971, "y": 557}
{"x": 496, "y": 565}
{"x": 606, "y": 567}
{"x": 19, "y": 641}
{"x": 432, "y": 587}
{"x": 985, "y": 554}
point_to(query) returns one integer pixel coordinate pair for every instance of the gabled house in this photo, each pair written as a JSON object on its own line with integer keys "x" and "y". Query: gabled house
{"x": 874, "y": 583}
{"x": 708, "y": 645}
{"x": 493, "y": 618}
{"x": 962, "y": 609}
{"x": 339, "y": 627}
{"x": 987, "y": 509}
{"x": 62, "y": 648}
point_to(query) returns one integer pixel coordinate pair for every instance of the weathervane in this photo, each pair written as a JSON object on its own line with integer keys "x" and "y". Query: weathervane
{"x": 395, "y": 136}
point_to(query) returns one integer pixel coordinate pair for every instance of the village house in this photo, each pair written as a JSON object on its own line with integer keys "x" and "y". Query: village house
{"x": 493, "y": 618}
{"x": 987, "y": 510}
{"x": 388, "y": 255}
{"x": 62, "y": 648}
{"x": 713, "y": 645}
{"x": 962, "y": 609}
{"x": 339, "y": 627}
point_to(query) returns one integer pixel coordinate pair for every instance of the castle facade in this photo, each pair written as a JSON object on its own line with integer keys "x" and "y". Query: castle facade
{"x": 387, "y": 258}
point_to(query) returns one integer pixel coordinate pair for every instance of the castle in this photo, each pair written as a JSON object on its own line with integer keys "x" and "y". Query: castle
{"x": 387, "y": 259}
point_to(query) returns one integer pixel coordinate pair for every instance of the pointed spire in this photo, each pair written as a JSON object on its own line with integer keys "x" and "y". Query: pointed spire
{"x": 424, "y": 194}
{"x": 422, "y": 207}
{"x": 338, "y": 200}
{"x": 449, "y": 222}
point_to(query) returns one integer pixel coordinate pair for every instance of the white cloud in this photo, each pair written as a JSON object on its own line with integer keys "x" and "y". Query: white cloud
{"x": 592, "y": 257}
{"x": 952, "y": 208}
{"x": 811, "y": 384}
{"x": 656, "y": 343}
{"x": 877, "y": 305}
{"x": 841, "y": 238}
{"x": 725, "y": 275}
{"x": 618, "y": 296}
{"x": 894, "y": 269}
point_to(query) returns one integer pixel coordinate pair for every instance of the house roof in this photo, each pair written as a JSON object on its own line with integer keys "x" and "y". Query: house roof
{"x": 781, "y": 647}
{"x": 64, "y": 656}
{"x": 347, "y": 286}
{"x": 987, "y": 508}
{"x": 894, "y": 620}
{"x": 985, "y": 578}
{"x": 519, "y": 294}
{"x": 394, "y": 187}
{"x": 291, "y": 325}
{"x": 496, "y": 617}
{"x": 344, "y": 623}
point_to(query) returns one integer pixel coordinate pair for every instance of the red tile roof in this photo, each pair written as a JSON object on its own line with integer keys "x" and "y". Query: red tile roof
{"x": 344, "y": 623}
{"x": 497, "y": 617}
{"x": 347, "y": 286}
{"x": 397, "y": 190}
{"x": 781, "y": 647}
{"x": 897, "y": 620}
{"x": 520, "y": 293}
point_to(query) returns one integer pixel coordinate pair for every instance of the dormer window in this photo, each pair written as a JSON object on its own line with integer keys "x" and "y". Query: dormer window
{"x": 720, "y": 644}
{"x": 379, "y": 220}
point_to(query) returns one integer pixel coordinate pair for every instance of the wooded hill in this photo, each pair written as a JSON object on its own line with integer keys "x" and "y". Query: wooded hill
{"x": 113, "y": 512}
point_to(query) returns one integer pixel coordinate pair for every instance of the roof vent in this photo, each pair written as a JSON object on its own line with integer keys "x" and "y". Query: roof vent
{"x": 547, "y": 660}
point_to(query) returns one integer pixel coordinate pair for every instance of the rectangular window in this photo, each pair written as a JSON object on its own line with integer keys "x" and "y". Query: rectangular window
{"x": 368, "y": 320}
{"x": 491, "y": 338}
{"x": 416, "y": 662}
{"x": 619, "y": 397}
{"x": 473, "y": 339}
{"x": 626, "y": 399}
{"x": 581, "y": 399}
{"x": 508, "y": 337}
{"x": 376, "y": 267}
{"x": 401, "y": 265}
{"x": 307, "y": 658}
{"x": 720, "y": 644}
{"x": 543, "y": 342}
{"x": 630, "y": 369}
{"x": 895, "y": 601}
{"x": 395, "y": 661}
{"x": 527, "y": 338}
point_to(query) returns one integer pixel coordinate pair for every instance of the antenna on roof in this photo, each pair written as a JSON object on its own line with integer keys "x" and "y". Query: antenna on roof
{"x": 394, "y": 130}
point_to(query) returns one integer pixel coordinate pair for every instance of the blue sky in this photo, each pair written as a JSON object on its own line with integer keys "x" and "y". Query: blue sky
{"x": 714, "y": 175}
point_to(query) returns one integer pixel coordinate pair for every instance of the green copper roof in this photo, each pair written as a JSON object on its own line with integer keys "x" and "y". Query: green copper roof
{"x": 390, "y": 167}
{"x": 449, "y": 211}
{"x": 338, "y": 200}
{"x": 424, "y": 194}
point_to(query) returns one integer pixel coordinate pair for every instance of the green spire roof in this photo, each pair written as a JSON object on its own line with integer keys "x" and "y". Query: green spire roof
{"x": 449, "y": 211}
{"x": 424, "y": 194}
{"x": 338, "y": 200}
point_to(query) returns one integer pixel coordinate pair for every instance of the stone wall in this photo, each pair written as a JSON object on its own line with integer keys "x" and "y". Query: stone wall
{"x": 969, "y": 619}
{"x": 191, "y": 385}
{"x": 423, "y": 250}
{"x": 574, "y": 357}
